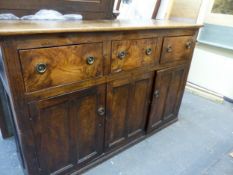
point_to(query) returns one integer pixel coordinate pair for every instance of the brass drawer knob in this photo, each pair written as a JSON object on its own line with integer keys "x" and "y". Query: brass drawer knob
{"x": 189, "y": 44}
{"x": 101, "y": 111}
{"x": 41, "y": 68}
{"x": 169, "y": 49}
{"x": 148, "y": 51}
{"x": 156, "y": 94}
{"x": 121, "y": 55}
{"x": 90, "y": 60}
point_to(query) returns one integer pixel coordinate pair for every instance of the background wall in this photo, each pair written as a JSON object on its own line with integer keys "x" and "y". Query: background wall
{"x": 185, "y": 8}
{"x": 212, "y": 68}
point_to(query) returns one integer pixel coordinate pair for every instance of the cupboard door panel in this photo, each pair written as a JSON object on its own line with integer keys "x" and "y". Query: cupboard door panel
{"x": 167, "y": 95}
{"x": 174, "y": 93}
{"x": 127, "y": 102}
{"x": 159, "y": 98}
{"x": 68, "y": 129}
{"x": 117, "y": 101}
{"x": 86, "y": 117}
{"x": 53, "y": 137}
{"x": 138, "y": 108}
{"x": 89, "y": 138}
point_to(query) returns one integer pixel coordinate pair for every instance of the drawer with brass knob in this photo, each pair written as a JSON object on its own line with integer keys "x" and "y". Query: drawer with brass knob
{"x": 134, "y": 53}
{"x": 48, "y": 67}
{"x": 177, "y": 49}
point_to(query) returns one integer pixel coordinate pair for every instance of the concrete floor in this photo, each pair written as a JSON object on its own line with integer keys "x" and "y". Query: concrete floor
{"x": 198, "y": 144}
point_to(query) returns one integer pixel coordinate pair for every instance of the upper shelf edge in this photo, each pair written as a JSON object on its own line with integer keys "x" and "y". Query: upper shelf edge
{"x": 38, "y": 27}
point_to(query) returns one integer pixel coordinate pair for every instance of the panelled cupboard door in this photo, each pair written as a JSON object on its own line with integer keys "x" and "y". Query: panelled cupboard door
{"x": 167, "y": 95}
{"x": 68, "y": 129}
{"x": 127, "y": 106}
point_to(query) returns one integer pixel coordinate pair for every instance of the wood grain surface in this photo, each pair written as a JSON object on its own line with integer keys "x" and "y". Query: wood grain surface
{"x": 136, "y": 55}
{"x": 177, "y": 49}
{"x": 36, "y": 27}
{"x": 65, "y": 64}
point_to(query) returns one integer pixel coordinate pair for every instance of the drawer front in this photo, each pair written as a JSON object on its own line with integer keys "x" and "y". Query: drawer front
{"x": 48, "y": 67}
{"x": 177, "y": 49}
{"x": 129, "y": 54}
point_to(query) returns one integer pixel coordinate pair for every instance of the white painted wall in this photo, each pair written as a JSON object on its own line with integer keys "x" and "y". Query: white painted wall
{"x": 212, "y": 68}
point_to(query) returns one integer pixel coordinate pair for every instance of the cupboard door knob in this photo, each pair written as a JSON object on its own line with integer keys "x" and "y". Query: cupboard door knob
{"x": 90, "y": 60}
{"x": 101, "y": 111}
{"x": 148, "y": 51}
{"x": 41, "y": 68}
{"x": 169, "y": 49}
{"x": 189, "y": 44}
{"x": 122, "y": 55}
{"x": 156, "y": 94}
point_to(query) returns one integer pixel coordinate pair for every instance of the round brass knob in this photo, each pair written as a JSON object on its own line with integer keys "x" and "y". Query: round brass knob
{"x": 101, "y": 111}
{"x": 121, "y": 55}
{"x": 148, "y": 51}
{"x": 169, "y": 49}
{"x": 90, "y": 60}
{"x": 189, "y": 44}
{"x": 156, "y": 94}
{"x": 41, "y": 68}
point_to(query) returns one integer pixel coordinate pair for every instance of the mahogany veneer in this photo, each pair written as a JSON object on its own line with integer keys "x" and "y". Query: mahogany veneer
{"x": 81, "y": 92}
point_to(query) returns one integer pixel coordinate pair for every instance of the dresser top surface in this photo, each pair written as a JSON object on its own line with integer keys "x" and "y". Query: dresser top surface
{"x": 17, "y": 27}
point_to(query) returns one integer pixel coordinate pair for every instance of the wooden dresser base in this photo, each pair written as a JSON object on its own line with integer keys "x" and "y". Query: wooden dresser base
{"x": 81, "y": 92}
